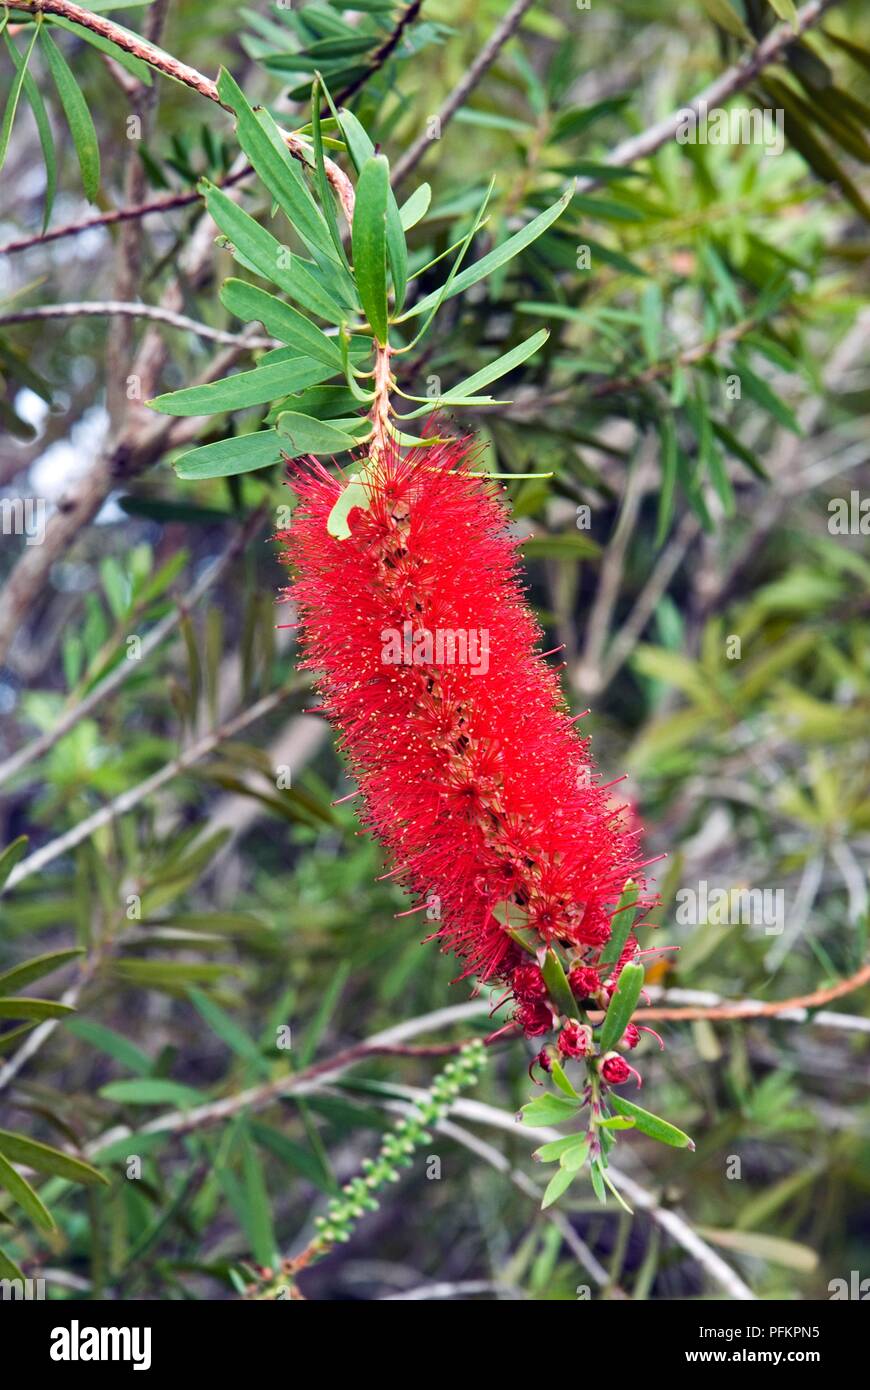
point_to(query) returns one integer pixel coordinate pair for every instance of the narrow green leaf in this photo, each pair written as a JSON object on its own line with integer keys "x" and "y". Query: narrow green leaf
{"x": 324, "y": 190}
{"x": 43, "y": 130}
{"x": 46, "y": 1159}
{"x": 279, "y": 171}
{"x": 22, "y": 1007}
{"x": 248, "y": 302}
{"x": 561, "y": 1079}
{"x": 621, "y": 925}
{"x": 361, "y": 149}
{"x": 139, "y": 69}
{"x": 598, "y": 1183}
{"x": 761, "y": 393}
{"x": 152, "y": 1091}
{"x": 78, "y": 116}
{"x": 668, "y": 439}
{"x": 570, "y": 546}
{"x": 557, "y": 984}
{"x": 243, "y": 389}
{"x": 558, "y": 1184}
{"x": 15, "y": 93}
{"x": 256, "y": 248}
{"x": 573, "y": 1158}
{"x": 502, "y": 365}
{"x": 21, "y": 1192}
{"x": 549, "y": 1110}
{"x": 113, "y": 1044}
{"x": 34, "y": 969}
{"x": 622, "y": 1005}
{"x": 370, "y": 243}
{"x": 549, "y": 1153}
{"x": 649, "y": 1124}
{"x": 320, "y": 1022}
{"x": 259, "y": 1223}
{"x": 14, "y": 851}
{"x": 9, "y": 1269}
{"x": 292, "y": 1155}
{"x": 226, "y": 457}
{"x": 415, "y": 207}
{"x": 498, "y": 257}
{"x": 228, "y": 1030}
{"x": 306, "y": 435}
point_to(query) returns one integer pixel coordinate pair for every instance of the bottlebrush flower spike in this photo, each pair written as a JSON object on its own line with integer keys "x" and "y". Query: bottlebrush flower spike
{"x": 471, "y": 771}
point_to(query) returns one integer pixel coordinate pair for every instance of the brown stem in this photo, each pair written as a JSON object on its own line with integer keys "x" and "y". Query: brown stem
{"x": 180, "y": 72}
{"x": 757, "y": 1009}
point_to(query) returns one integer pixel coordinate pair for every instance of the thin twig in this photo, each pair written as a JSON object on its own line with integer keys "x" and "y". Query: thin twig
{"x": 116, "y": 678}
{"x": 170, "y": 202}
{"x": 173, "y": 67}
{"x": 484, "y": 60}
{"x": 131, "y": 798}
{"x": 108, "y": 308}
{"x": 299, "y": 1083}
{"x": 769, "y": 51}
{"x": 794, "y": 1010}
{"x": 167, "y": 203}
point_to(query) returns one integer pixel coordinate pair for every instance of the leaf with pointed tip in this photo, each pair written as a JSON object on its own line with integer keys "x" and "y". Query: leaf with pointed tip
{"x": 415, "y": 207}
{"x": 248, "y": 302}
{"x": 243, "y": 389}
{"x": 306, "y": 435}
{"x": 621, "y": 1006}
{"x": 22, "y": 1007}
{"x": 370, "y": 243}
{"x": 34, "y": 969}
{"x": 497, "y": 257}
{"x": 226, "y": 457}
{"x": 256, "y": 247}
{"x": 46, "y": 1159}
{"x": 23, "y": 1194}
{"x": 649, "y": 1124}
{"x": 78, "y": 116}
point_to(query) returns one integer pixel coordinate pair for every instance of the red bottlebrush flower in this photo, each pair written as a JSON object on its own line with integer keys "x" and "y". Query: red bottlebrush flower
{"x": 584, "y": 982}
{"x": 575, "y": 1039}
{"x": 527, "y": 982}
{"x": 534, "y": 1019}
{"x": 429, "y": 665}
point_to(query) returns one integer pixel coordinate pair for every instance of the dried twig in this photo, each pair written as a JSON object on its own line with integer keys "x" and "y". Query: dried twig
{"x": 108, "y": 308}
{"x": 116, "y": 678}
{"x": 484, "y": 60}
{"x": 134, "y": 795}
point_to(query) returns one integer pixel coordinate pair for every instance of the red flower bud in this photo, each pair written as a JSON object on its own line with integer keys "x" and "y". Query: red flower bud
{"x": 575, "y": 1039}
{"x": 543, "y": 1060}
{"x": 534, "y": 1019}
{"x": 584, "y": 981}
{"x": 528, "y": 983}
{"x": 631, "y": 1036}
{"x": 615, "y": 1069}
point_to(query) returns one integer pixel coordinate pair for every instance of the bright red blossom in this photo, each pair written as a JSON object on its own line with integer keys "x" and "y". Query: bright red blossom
{"x": 471, "y": 770}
